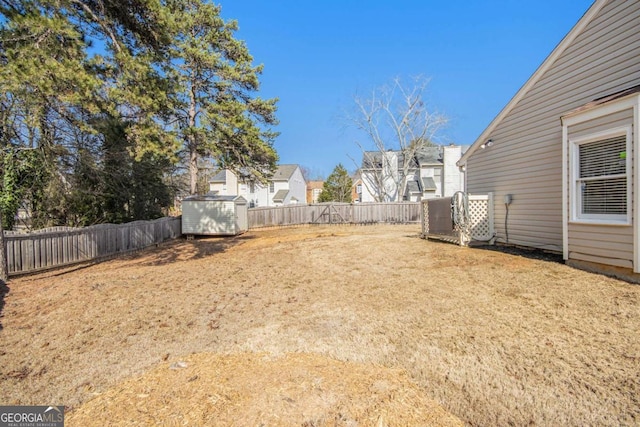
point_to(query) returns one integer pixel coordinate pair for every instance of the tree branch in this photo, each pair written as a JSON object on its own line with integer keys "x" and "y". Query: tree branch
{"x": 103, "y": 25}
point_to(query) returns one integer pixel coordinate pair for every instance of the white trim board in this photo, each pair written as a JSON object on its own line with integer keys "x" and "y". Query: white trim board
{"x": 631, "y": 101}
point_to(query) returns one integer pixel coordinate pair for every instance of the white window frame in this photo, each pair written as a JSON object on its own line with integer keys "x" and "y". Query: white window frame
{"x": 575, "y": 199}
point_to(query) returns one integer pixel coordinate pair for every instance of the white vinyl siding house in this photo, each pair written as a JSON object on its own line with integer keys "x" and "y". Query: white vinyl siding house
{"x": 598, "y": 57}
{"x": 286, "y": 186}
{"x": 434, "y": 173}
{"x": 380, "y": 175}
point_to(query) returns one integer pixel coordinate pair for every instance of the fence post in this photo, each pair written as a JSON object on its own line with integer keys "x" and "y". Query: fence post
{"x": 4, "y": 269}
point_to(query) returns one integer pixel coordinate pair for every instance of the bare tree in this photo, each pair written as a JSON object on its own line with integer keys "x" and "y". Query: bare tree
{"x": 395, "y": 117}
{"x": 311, "y": 174}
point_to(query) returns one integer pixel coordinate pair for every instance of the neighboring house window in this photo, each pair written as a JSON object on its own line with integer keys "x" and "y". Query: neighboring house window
{"x": 601, "y": 177}
{"x": 272, "y": 187}
{"x": 315, "y": 194}
{"x": 359, "y": 189}
{"x": 252, "y": 187}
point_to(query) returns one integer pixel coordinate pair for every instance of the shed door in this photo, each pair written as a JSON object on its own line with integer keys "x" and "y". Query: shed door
{"x": 242, "y": 222}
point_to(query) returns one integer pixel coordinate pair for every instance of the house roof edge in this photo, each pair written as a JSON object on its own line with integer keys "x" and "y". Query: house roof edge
{"x": 535, "y": 77}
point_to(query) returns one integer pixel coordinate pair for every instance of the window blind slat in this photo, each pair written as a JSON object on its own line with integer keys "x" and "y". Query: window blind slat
{"x": 606, "y": 157}
{"x": 604, "y": 196}
{"x": 602, "y": 176}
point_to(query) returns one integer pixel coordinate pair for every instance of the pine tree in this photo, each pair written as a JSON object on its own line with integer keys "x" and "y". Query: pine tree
{"x": 337, "y": 187}
{"x": 215, "y": 111}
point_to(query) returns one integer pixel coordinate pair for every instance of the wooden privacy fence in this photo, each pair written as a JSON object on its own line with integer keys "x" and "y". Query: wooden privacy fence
{"x": 60, "y": 246}
{"x": 335, "y": 213}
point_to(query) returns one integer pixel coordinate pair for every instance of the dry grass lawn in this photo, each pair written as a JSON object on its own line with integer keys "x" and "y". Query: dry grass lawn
{"x": 323, "y": 326}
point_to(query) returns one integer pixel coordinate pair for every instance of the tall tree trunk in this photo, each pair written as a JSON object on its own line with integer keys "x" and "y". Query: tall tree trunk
{"x": 193, "y": 167}
{"x": 192, "y": 142}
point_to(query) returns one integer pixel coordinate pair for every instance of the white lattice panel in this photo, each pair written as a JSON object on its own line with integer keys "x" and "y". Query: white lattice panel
{"x": 425, "y": 218}
{"x": 479, "y": 226}
{"x": 480, "y": 217}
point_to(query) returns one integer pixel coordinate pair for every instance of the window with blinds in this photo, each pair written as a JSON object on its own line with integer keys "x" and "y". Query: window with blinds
{"x": 602, "y": 177}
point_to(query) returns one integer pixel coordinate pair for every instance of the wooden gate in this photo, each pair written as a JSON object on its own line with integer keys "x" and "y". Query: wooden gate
{"x": 332, "y": 214}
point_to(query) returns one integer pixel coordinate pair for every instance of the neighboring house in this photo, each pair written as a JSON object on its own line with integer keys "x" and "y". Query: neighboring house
{"x": 287, "y": 186}
{"x": 314, "y": 188}
{"x": 356, "y": 188}
{"x": 562, "y": 158}
{"x": 433, "y": 173}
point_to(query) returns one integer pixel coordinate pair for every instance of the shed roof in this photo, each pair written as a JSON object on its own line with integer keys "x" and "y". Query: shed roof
{"x": 211, "y": 197}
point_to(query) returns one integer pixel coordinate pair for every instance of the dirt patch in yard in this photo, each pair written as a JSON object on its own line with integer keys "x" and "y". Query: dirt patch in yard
{"x": 495, "y": 338}
{"x": 252, "y": 389}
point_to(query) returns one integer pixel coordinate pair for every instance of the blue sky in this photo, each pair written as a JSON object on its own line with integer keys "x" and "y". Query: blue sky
{"x": 318, "y": 55}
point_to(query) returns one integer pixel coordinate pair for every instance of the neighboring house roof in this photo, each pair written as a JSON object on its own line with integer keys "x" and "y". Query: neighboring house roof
{"x": 280, "y": 195}
{"x": 428, "y": 184}
{"x": 219, "y": 177}
{"x": 284, "y": 172}
{"x": 371, "y": 160}
{"x": 413, "y": 187}
{"x": 546, "y": 65}
{"x": 429, "y": 155}
{"x": 424, "y": 156}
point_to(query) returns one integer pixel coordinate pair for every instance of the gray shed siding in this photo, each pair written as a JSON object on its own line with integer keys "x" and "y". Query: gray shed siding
{"x": 526, "y": 157}
{"x": 604, "y": 244}
{"x": 214, "y": 217}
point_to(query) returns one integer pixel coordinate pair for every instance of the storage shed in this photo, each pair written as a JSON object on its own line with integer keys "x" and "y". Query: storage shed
{"x": 214, "y": 215}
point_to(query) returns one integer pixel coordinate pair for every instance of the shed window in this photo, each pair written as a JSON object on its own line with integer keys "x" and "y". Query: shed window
{"x": 602, "y": 178}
